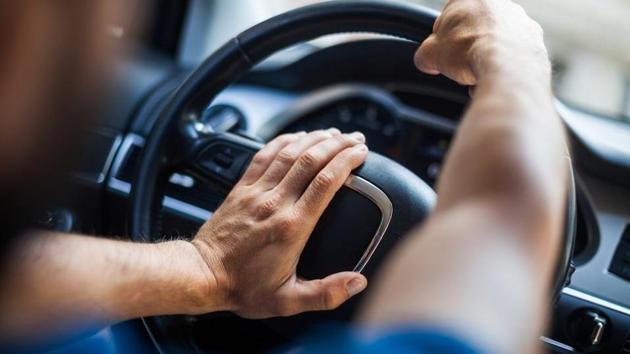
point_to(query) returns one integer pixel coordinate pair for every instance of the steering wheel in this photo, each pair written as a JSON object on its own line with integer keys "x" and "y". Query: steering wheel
{"x": 378, "y": 205}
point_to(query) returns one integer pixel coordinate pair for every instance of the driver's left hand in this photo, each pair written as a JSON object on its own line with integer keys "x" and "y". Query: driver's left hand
{"x": 253, "y": 242}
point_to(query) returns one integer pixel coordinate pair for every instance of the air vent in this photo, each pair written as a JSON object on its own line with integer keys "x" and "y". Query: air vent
{"x": 620, "y": 264}
{"x": 129, "y": 164}
{"x": 188, "y": 189}
{"x": 221, "y": 118}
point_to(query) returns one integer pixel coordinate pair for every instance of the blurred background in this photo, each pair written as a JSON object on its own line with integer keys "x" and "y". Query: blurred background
{"x": 589, "y": 42}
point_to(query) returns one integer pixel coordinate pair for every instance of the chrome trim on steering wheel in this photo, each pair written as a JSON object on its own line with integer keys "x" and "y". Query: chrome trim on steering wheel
{"x": 378, "y": 197}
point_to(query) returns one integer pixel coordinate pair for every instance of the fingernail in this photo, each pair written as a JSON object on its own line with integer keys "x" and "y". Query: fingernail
{"x": 334, "y": 131}
{"x": 356, "y": 285}
{"x": 358, "y": 136}
{"x": 361, "y": 148}
{"x": 301, "y": 133}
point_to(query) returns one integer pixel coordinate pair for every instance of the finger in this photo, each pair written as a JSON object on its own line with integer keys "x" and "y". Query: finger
{"x": 287, "y": 156}
{"x": 439, "y": 19}
{"x": 323, "y": 294}
{"x": 263, "y": 158}
{"x": 426, "y": 57}
{"x": 314, "y": 159}
{"x": 466, "y": 77}
{"x": 327, "y": 182}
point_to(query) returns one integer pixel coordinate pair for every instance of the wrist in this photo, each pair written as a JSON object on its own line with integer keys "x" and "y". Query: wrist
{"x": 174, "y": 279}
{"x": 494, "y": 57}
{"x": 205, "y": 292}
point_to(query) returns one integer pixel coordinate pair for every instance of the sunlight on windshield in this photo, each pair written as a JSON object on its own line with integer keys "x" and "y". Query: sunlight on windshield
{"x": 588, "y": 40}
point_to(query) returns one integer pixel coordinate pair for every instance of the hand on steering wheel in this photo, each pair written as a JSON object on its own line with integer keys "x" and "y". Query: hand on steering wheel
{"x": 253, "y": 242}
{"x": 468, "y": 38}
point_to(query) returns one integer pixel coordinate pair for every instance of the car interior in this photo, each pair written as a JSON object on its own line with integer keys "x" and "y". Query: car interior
{"x": 191, "y": 104}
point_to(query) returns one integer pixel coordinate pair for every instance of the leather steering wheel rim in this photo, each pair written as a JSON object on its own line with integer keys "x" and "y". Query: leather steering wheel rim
{"x": 240, "y": 54}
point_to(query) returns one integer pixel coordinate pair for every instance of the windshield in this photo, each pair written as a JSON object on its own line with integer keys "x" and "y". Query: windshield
{"x": 589, "y": 42}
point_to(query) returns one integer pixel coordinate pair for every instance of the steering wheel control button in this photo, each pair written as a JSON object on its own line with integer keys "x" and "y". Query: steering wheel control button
{"x": 225, "y": 162}
{"x": 182, "y": 180}
{"x": 587, "y": 330}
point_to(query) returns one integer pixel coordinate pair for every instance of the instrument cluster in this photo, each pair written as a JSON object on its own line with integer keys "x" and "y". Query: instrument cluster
{"x": 416, "y": 146}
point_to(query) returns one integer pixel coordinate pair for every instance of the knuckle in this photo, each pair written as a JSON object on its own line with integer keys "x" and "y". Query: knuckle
{"x": 455, "y": 17}
{"x": 348, "y": 158}
{"x": 286, "y": 156}
{"x": 309, "y": 158}
{"x": 245, "y": 201}
{"x": 239, "y": 196}
{"x": 433, "y": 44}
{"x": 328, "y": 301}
{"x": 344, "y": 140}
{"x": 286, "y": 225}
{"x": 324, "y": 180}
{"x": 284, "y": 138}
{"x": 268, "y": 207}
{"x": 260, "y": 158}
{"x": 322, "y": 134}
{"x": 437, "y": 23}
{"x": 425, "y": 56}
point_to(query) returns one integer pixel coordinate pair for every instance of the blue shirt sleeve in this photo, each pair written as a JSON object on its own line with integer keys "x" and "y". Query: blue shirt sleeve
{"x": 409, "y": 340}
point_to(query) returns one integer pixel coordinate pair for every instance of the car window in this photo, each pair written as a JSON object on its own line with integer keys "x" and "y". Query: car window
{"x": 589, "y": 42}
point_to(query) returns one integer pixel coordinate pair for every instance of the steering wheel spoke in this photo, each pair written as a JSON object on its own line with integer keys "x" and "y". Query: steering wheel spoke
{"x": 220, "y": 159}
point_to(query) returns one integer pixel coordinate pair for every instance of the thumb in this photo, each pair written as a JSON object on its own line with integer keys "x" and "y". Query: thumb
{"x": 327, "y": 293}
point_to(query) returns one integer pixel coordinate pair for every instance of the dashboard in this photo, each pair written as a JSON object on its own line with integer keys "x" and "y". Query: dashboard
{"x": 405, "y": 115}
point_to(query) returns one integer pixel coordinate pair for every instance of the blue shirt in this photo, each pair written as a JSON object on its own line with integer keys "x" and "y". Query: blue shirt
{"x": 327, "y": 339}
{"x": 408, "y": 340}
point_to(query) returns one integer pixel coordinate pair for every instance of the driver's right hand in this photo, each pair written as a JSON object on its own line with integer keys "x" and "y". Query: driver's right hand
{"x": 253, "y": 242}
{"x": 476, "y": 38}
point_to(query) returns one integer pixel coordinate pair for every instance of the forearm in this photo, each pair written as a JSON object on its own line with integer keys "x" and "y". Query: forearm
{"x": 482, "y": 263}
{"x": 464, "y": 273}
{"x": 56, "y": 284}
{"x": 510, "y": 152}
